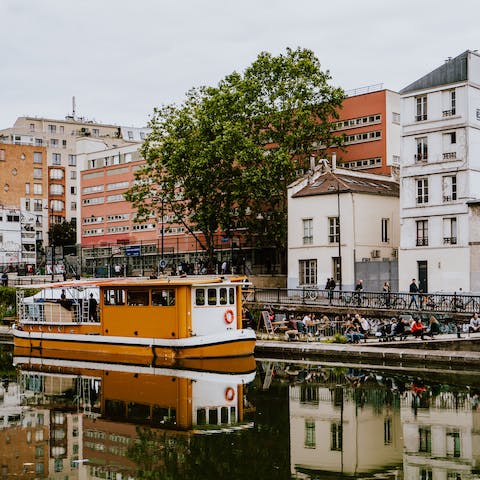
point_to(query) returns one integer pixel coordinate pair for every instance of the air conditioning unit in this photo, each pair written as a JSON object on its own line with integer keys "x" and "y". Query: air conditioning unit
{"x": 395, "y": 253}
{"x": 375, "y": 253}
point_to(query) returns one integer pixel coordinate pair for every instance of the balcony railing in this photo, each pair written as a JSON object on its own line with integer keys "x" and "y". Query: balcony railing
{"x": 450, "y": 155}
{"x": 421, "y": 158}
{"x": 420, "y": 118}
{"x": 422, "y": 242}
{"x": 448, "y": 113}
{"x": 450, "y": 240}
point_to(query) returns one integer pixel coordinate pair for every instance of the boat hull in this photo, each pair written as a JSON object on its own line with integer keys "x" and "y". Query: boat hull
{"x": 239, "y": 343}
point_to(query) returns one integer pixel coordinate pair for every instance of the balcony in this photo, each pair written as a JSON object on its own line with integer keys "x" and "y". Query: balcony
{"x": 450, "y": 156}
{"x": 448, "y": 113}
{"x": 420, "y": 118}
{"x": 450, "y": 240}
{"x": 422, "y": 242}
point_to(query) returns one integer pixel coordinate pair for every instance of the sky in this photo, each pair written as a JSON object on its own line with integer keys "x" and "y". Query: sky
{"x": 121, "y": 59}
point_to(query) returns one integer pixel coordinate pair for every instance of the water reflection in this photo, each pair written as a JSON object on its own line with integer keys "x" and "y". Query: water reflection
{"x": 68, "y": 420}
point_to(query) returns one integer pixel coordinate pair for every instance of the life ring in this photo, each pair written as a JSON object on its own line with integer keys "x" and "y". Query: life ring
{"x": 229, "y": 316}
{"x": 229, "y": 394}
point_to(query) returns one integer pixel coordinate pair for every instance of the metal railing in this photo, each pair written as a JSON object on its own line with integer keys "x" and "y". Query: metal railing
{"x": 401, "y": 301}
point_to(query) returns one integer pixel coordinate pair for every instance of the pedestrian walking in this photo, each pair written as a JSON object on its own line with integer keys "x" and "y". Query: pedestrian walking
{"x": 413, "y": 294}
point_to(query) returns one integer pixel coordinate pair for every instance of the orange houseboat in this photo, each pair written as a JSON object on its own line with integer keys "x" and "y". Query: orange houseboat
{"x": 126, "y": 320}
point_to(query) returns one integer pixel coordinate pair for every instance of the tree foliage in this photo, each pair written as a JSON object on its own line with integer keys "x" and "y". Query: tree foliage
{"x": 63, "y": 233}
{"x": 222, "y": 159}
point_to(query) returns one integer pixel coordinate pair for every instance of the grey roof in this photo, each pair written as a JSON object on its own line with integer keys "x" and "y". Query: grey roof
{"x": 452, "y": 71}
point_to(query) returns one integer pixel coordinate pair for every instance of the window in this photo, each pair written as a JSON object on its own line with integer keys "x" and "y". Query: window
{"x": 422, "y": 191}
{"x": 426, "y": 474}
{"x": 37, "y": 157}
{"x": 37, "y": 206}
{"x": 421, "y": 108}
{"x": 450, "y": 231}
{"x": 425, "y": 440}
{"x": 72, "y": 160}
{"x": 422, "y": 150}
{"x": 37, "y": 189}
{"x": 449, "y": 188}
{"x": 453, "y": 444}
{"x": 307, "y": 231}
{"x": 310, "y": 441}
{"x": 333, "y": 230}
{"x": 52, "y": 128}
{"x": 308, "y": 272}
{"x": 64, "y": 144}
{"x": 130, "y": 135}
{"x": 96, "y": 132}
{"x": 395, "y": 117}
{"x": 56, "y": 174}
{"x": 56, "y": 158}
{"x": 37, "y": 173}
{"x": 137, "y": 298}
{"x": 114, "y": 296}
{"x": 56, "y": 189}
{"x": 336, "y": 437}
{"x": 73, "y": 190}
{"x": 118, "y": 185}
{"x": 73, "y": 175}
{"x": 385, "y": 222}
{"x": 453, "y": 137}
{"x": 212, "y": 296}
{"x": 73, "y": 205}
{"x": 200, "y": 296}
{"x": 422, "y": 233}
{"x": 32, "y": 127}
{"x": 54, "y": 142}
{"x": 27, "y": 204}
{"x": 142, "y": 135}
{"x": 38, "y": 142}
{"x": 387, "y": 431}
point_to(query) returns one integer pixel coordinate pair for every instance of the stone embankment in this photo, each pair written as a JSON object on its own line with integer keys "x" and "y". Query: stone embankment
{"x": 449, "y": 352}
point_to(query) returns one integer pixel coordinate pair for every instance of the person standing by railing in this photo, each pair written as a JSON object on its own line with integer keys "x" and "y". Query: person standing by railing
{"x": 413, "y": 294}
{"x": 386, "y": 290}
{"x": 358, "y": 291}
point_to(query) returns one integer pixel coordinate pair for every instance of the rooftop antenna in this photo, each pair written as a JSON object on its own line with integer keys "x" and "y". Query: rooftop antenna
{"x": 73, "y": 107}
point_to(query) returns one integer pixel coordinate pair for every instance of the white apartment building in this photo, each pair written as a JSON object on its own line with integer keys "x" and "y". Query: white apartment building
{"x": 440, "y": 178}
{"x": 17, "y": 237}
{"x": 342, "y": 224}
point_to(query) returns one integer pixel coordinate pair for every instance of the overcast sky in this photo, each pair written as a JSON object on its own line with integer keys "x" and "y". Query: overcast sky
{"x": 122, "y": 58}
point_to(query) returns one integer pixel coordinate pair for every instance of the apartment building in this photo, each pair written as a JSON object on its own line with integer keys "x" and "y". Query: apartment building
{"x": 23, "y": 211}
{"x": 440, "y": 179}
{"x": 370, "y": 121}
{"x": 59, "y": 138}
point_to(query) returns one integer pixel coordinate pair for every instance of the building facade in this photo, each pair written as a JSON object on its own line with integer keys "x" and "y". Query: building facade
{"x": 370, "y": 121}
{"x": 342, "y": 224}
{"x": 440, "y": 179}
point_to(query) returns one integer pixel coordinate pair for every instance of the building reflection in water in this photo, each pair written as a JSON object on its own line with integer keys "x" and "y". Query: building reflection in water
{"x": 361, "y": 424}
{"x": 68, "y": 419}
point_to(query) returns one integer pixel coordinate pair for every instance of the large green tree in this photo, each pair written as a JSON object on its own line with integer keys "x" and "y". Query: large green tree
{"x": 222, "y": 159}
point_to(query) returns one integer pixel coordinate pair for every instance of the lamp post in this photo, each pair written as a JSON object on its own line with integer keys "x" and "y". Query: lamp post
{"x": 339, "y": 240}
{"x": 51, "y": 240}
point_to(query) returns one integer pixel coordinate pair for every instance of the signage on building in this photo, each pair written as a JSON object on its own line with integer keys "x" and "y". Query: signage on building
{"x": 132, "y": 250}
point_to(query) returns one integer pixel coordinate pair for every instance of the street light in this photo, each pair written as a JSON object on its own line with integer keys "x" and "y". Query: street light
{"x": 51, "y": 241}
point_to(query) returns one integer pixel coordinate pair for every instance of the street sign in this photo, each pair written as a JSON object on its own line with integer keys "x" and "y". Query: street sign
{"x": 163, "y": 263}
{"x": 132, "y": 250}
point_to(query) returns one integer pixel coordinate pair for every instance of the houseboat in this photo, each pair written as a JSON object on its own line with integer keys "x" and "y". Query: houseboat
{"x": 126, "y": 320}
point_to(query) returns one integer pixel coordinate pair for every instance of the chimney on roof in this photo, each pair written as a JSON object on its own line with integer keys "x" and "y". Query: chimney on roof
{"x": 334, "y": 161}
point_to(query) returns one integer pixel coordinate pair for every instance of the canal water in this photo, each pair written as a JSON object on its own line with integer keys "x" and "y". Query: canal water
{"x": 271, "y": 419}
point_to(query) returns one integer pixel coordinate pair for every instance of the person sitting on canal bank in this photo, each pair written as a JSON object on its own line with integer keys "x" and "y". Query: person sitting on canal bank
{"x": 433, "y": 327}
{"x": 417, "y": 328}
{"x": 352, "y": 333}
{"x": 474, "y": 325}
{"x": 413, "y": 289}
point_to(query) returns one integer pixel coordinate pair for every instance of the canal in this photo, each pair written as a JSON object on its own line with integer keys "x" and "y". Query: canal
{"x": 269, "y": 419}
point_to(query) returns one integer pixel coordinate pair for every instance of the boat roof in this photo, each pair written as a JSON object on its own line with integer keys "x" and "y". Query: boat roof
{"x": 139, "y": 282}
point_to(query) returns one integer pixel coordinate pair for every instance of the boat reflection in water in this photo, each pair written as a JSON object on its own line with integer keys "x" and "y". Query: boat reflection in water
{"x": 352, "y": 423}
{"x": 112, "y": 421}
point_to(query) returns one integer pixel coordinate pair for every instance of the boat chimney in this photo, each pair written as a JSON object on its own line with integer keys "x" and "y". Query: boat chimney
{"x": 334, "y": 161}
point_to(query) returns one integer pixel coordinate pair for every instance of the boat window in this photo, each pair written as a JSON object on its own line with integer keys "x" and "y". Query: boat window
{"x": 223, "y": 296}
{"x": 212, "y": 296}
{"x": 114, "y": 296}
{"x": 199, "y": 296}
{"x": 231, "y": 296}
{"x": 164, "y": 297}
{"x": 137, "y": 298}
